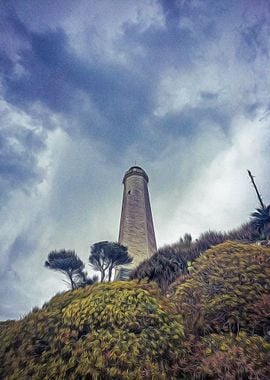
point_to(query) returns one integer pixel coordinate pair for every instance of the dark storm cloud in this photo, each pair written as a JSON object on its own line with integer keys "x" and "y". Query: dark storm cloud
{"x": 43, "y": 78}
{"x": 53, "y": 75}
{"x": 19, "y": 144}
{"x": 206, "y": 95}
{"x": 17, "y": 168}
{"x": 175, "y": 11}
{"x": 19, "y": 147}
{"x": 252, "y": 40}
{"x": 173, "y": 45}
{"x": 12, "y": 283}
{"x": 163, "y": 47}
{"x": 171, "y": 11}
{"x": 122, "y": 98}
{"x": 47, "y": 70}
{"x": 6, "y": 64}
{"x": 21, "y": 247}
{"x": 191, "y": 121}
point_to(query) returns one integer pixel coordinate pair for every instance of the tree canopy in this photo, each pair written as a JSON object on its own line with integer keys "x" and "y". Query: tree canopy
{"x": 105, "y": 256}
{"x": 261, "y": 221}
{"x": 68, "y": 263}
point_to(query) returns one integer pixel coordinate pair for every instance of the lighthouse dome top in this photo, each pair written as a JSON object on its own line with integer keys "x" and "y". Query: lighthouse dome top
{"x": 135, "y": 170}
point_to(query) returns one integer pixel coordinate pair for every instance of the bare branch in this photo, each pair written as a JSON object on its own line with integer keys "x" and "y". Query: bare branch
{"x": 256, "y": 189}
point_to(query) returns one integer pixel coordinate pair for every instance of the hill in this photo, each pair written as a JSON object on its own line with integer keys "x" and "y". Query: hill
{"x": 214, "y": 323}
{"x": 171, "y": 261}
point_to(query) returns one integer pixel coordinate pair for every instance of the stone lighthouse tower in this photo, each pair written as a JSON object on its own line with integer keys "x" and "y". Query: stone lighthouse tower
{"x": 136, "y": 224}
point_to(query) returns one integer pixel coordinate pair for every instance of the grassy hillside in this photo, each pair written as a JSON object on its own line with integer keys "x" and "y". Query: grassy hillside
{"x": 215, "y": 324}
{"x": 171, "y": 261}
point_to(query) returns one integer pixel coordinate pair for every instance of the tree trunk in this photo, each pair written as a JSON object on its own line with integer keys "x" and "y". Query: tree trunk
{"x": 71, "y": 281}
{"x": 110, "y": 274}
{"x": 102, "y": 275}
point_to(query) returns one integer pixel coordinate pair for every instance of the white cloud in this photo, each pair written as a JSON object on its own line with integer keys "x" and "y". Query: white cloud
{"x": 221, "y": 197}
{"x": 97, "y": 28}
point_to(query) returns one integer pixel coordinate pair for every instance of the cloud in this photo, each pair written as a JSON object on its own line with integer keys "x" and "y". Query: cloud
{"x": 217, "y": 194}
{"x": 54, "y": 76}
{"x": 21, "y": 141}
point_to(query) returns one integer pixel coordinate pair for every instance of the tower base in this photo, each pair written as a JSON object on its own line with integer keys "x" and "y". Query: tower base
{"x": 122, "y": 274}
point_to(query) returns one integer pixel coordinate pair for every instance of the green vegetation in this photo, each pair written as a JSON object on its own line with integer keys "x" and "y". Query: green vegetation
{"x": 213, "y": 323}
{"x": 118, "y": 330}
{"x": 172, "y": 261}
{"x": 226, "y": 312}
{"x": 223, "y": 287}
{"x": 231, "y": 357}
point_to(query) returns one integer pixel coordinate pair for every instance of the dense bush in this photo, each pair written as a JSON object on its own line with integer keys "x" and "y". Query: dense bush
{"x": 163, "y": 269}
{"x": 171, "y": 261}
{"x": 117, "y": 330}
{"x": 226, "y": 285}
{"x": 224, "y": 356}
{"x": 213, "y": 324}
{"x": 225, "y": 304}
{"x": 189, "y": 252}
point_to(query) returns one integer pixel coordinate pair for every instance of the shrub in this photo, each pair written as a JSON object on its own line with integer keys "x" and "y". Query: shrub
{"x": 170, "y": 261}
{"x": 163, "y": 269}
{"x": 111, "y": 331}
{"x": 229, "y": 357}
{"x": 224, "y": 286}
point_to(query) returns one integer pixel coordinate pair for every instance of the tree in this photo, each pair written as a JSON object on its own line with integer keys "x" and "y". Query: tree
{"x": 68, "y": 263}
{"x": 261, "y": 221}
{"x": 256, "y": 189}
{"x": 105, "y": 256}
{"x": 261, "y": 217}
{"x": 84, "y": 280}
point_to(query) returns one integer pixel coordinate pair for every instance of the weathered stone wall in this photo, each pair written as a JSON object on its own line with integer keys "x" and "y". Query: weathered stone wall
{"x": 136, "y": 225}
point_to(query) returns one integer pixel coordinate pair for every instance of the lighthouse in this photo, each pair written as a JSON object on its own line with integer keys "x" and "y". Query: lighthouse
{"x": 136, "y": 224}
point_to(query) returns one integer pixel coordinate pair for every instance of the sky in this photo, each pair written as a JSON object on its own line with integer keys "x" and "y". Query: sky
{"x": 88, "y": 88}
